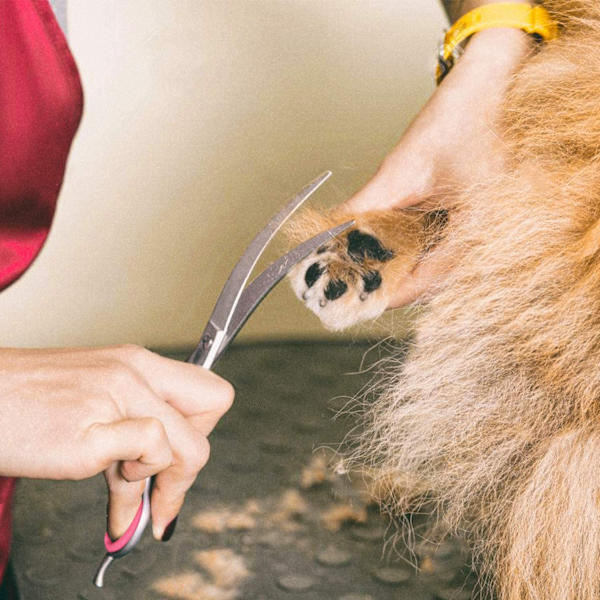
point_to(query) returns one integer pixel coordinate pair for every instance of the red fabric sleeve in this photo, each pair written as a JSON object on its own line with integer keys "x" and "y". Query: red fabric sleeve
{"x": 41, "y": 102}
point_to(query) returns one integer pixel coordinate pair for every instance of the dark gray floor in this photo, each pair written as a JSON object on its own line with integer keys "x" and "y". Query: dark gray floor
{"x": 273, "y": 536}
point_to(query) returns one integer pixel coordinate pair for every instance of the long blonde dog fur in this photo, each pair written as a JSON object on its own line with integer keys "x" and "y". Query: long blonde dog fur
{"x": 493, "y": 418}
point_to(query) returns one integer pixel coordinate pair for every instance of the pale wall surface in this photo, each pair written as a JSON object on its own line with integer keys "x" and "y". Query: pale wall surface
{"x": 202, "y": 117}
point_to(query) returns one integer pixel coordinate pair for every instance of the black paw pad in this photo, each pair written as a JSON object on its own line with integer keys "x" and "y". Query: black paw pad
{"x": 362, "y": 245}
{"x": 312, "y": 274}
{"x": 335, "y": 288}
{"x": 371, "y": 281}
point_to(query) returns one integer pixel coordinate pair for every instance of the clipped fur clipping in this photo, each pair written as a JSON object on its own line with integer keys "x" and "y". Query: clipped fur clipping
{"x": 493, "y": 419}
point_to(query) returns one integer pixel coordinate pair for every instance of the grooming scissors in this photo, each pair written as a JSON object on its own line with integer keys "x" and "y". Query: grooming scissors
{"x": 234, "y": 306}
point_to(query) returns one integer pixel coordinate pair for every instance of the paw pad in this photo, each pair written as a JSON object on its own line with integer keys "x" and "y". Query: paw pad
{"x": 371, "y": 281}
{"x": 363, "y": 245}
{"x": 341, "y": 277}
{"x": 313, "y": 273}
{"x": 335, "y": 288}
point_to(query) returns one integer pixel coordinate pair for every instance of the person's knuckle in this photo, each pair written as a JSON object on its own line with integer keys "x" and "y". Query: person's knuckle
{"x": 196, "y": 457}
{"x": 154, "y": 432}
{"x": 129, "y": 472}
{"x": 157, "y": 443}
{"x": 126, "y": 350}
{"x": 167, "y": 458}
{"x": 191, "y": 467}
{"x": 203, "y": 452}
{"x": 132, "y": 353}
{"x": 225, "y": 395}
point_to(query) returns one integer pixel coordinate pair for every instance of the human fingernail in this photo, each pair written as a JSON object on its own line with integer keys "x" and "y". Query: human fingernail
{"x": 169, "y": 529}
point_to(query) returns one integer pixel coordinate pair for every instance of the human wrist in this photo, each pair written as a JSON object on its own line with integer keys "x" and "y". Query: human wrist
{"x": 498, "y": 46}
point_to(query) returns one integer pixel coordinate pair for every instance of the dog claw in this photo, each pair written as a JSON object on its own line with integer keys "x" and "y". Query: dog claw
{"x": 322, "y": 302}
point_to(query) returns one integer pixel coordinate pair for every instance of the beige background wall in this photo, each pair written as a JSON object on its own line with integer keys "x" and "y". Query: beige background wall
{"x": 202, "y": 117}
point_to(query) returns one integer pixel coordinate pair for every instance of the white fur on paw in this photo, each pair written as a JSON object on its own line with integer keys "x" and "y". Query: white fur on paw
{"x": 337, "y": 307}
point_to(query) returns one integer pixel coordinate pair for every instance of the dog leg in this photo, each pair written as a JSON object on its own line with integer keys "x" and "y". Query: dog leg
{"x": 352, "y": 278}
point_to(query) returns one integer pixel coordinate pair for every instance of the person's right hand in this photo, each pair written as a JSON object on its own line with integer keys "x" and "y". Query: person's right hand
{"x": 72, "y": 413}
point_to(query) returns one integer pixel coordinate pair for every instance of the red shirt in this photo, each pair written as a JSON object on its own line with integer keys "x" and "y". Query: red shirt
{"x": 41, "y": 102}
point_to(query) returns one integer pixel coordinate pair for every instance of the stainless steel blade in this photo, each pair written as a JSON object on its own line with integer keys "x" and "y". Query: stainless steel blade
{"x": 219, "y": 321}
{"x": 233, "y": 288}
{"x": 270, "y": 277}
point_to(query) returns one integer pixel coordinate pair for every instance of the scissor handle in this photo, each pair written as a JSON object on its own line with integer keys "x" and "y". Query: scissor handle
{"x": 128, "y": 541}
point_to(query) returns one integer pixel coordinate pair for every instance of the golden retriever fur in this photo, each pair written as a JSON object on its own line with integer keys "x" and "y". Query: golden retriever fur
{"x": 493, "y": 417}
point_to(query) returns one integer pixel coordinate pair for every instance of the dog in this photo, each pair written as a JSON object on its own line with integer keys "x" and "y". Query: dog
{"x": 492, "y": 419}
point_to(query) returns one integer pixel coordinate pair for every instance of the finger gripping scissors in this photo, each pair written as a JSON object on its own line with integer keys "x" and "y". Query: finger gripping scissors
{"x": 234, "y": 305}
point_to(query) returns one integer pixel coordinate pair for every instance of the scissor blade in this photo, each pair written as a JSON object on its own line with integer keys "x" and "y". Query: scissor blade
{"x": 233, "y": 288}
{"x": 269, "y": 278}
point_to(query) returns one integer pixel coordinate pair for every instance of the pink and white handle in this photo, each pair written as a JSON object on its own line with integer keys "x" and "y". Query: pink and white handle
{"x": 126, "y": 543}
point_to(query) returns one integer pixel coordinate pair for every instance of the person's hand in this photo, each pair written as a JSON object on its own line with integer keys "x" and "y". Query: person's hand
{"x": 69, "y": 414}
{"x": 451, "y": 144}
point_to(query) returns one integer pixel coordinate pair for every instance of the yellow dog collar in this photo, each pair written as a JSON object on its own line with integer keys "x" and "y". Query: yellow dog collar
{"x": 532, "y": 19}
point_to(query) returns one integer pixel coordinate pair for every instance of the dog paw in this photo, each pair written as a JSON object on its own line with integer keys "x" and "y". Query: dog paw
{"x": 344, "y": 281}
{"x": 353, "y": 277}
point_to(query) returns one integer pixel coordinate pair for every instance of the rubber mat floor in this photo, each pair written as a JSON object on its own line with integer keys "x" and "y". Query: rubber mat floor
{"x": 268, "y": 518}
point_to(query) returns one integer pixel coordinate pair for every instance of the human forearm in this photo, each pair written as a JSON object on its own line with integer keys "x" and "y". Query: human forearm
{"x": 451, "y": 143}
{"x": 431, "y": 154}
